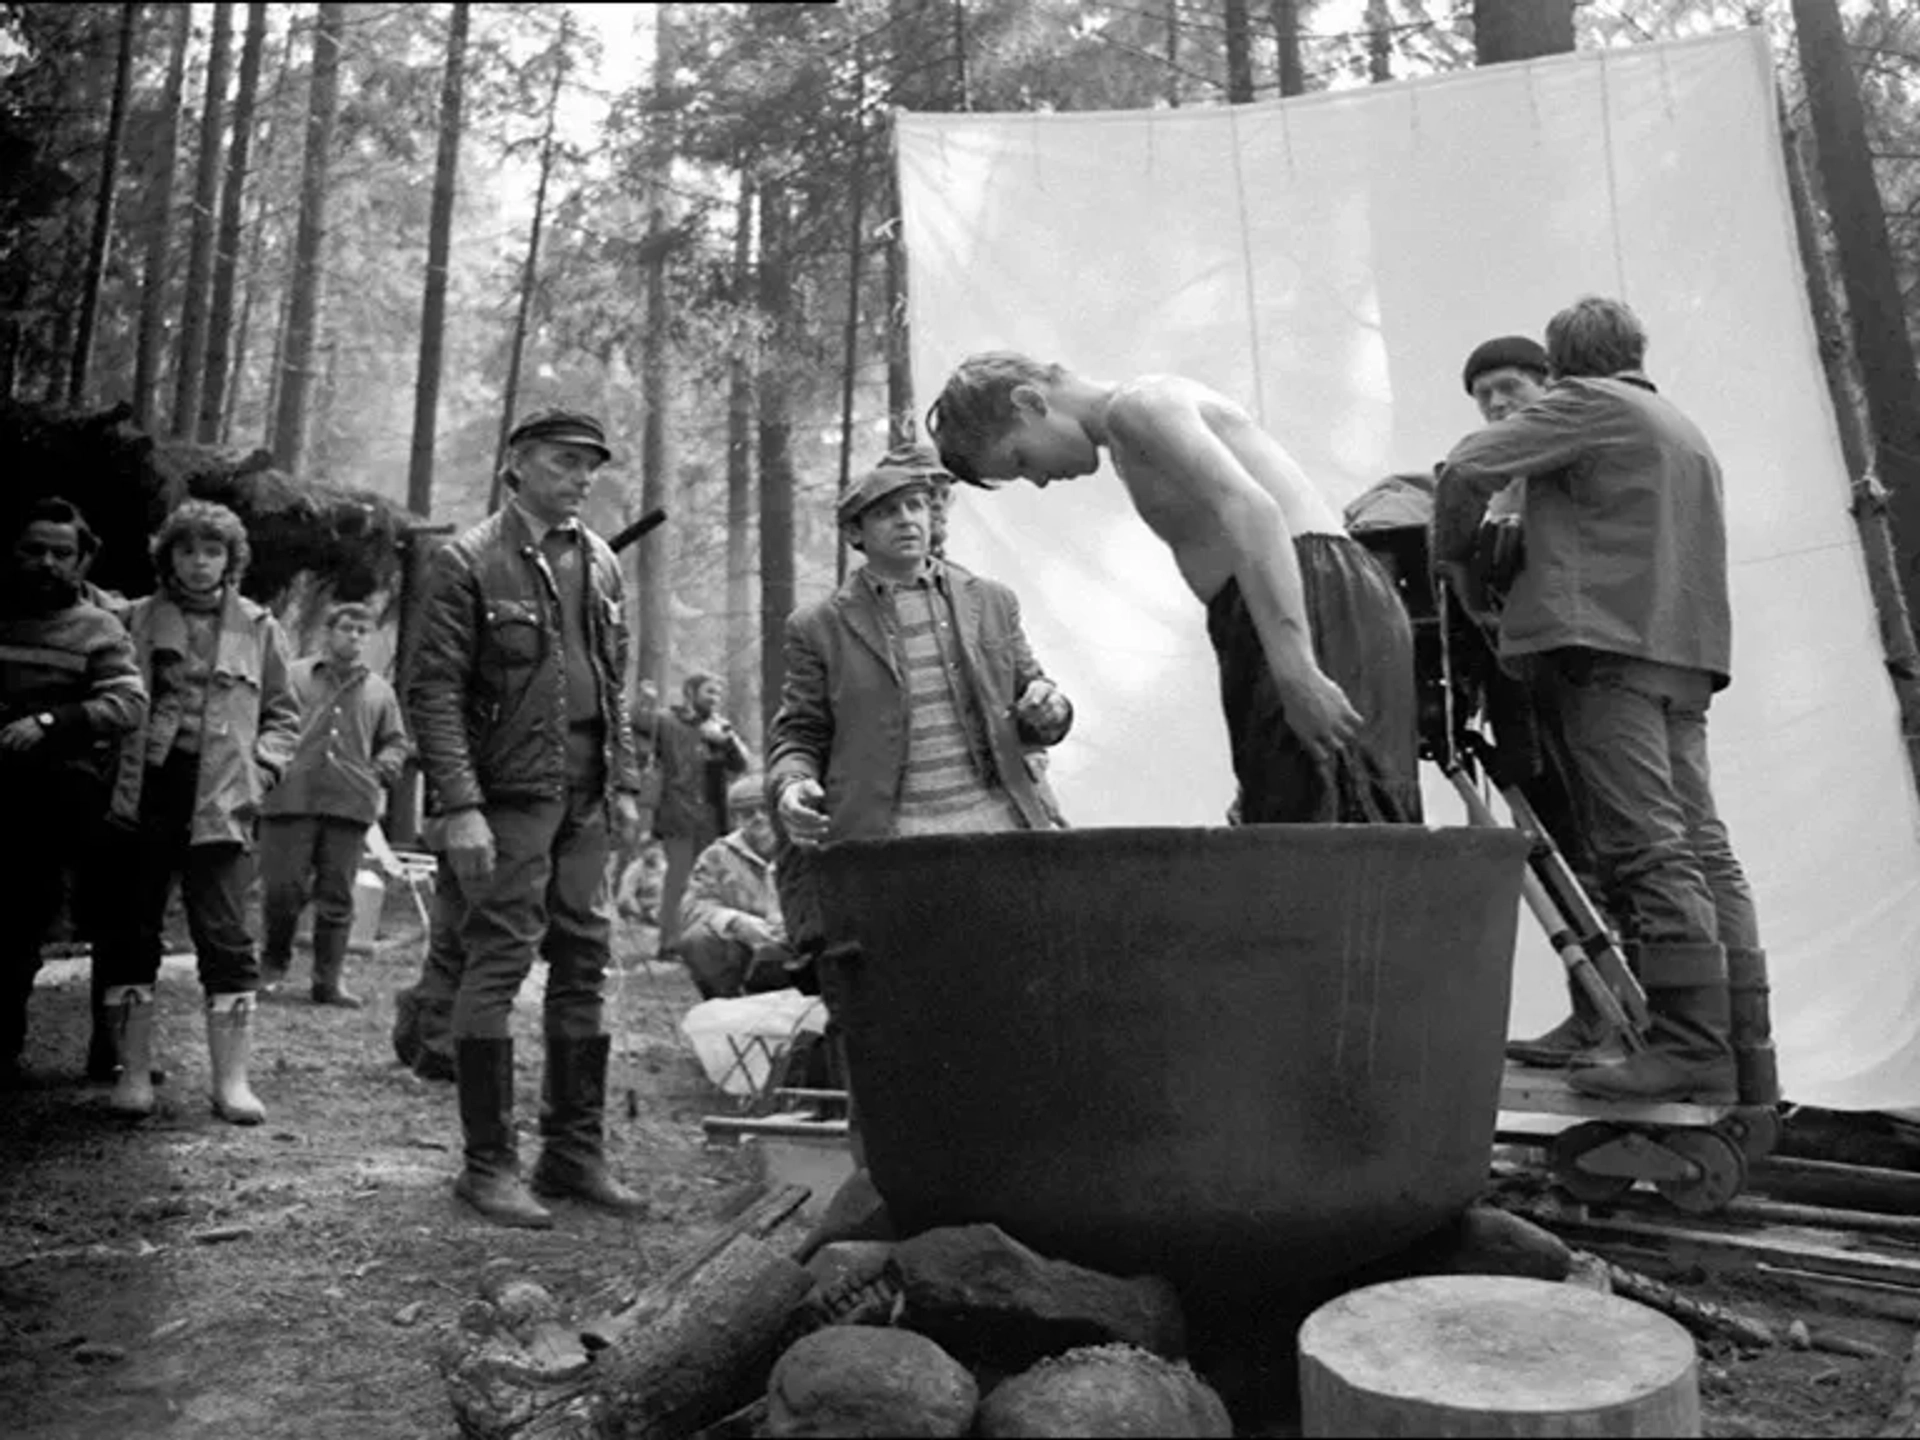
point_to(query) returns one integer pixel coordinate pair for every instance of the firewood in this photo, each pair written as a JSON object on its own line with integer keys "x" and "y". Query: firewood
{"x": 1702, "y": 1317}
{"x": 694, "y": 1345}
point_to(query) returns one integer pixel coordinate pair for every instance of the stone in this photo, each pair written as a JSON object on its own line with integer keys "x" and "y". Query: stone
{"x": 520, "y": 1305}
{"x": 858, "y": 1380}
{"x": 409, "y": 1313}
{"x": 1482, "y": 1240}
{"x": 993, "y": 1301}
{"x": 1104, "y": 1390}
{"x": 850, "y": 1261}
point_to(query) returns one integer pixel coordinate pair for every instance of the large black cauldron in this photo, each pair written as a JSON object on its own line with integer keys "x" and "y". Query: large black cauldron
{"x": 1246, "y": 1059}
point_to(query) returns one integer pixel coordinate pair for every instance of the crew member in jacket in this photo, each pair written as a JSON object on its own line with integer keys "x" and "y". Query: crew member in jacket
{"x": 219, "y": 732}
{"x": 910, "y": 696}
{"x": 1620, "y": 623}
{"x": 517, "y": 703}
{"x": 68, "y": 689}
{"x": 314, "y": 830}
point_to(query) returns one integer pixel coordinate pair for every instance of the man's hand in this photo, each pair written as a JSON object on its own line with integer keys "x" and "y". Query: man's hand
{"x": 716, "y": 730}
{"x": 1042, "y": 707}
{"x": 803, "y": 812}
{"x": 22, "y": 734}
{"x": 1318, "y": 711}
{"x": 752, "y": 931}
{"x": 470, "y": 850}
{"x": 626, "y": 820}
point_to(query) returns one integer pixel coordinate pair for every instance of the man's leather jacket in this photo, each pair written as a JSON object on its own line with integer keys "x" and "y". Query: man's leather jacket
{"x": 486, "y": 695}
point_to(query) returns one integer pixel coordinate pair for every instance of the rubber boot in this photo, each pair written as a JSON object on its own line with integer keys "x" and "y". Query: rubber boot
{"x": 329, "y": 960}
{"x": 490, "y": 1183}
{"x": 103, "y": 1051}
{"x": 1581, "y": 1032}
{"x": 1752, "y": 1027}
{"x": 229, "y": 1046}
{"x": 1688, "y": 1056}
{"x": 572, "y": 1128}
{"x": 129, "y": 1017}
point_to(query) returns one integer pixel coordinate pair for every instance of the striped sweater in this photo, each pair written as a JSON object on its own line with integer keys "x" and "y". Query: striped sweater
{"x": 944, "y": 789}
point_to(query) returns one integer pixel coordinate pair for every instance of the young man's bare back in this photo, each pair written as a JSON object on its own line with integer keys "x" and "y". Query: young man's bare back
{"x": 1241, "y": 519}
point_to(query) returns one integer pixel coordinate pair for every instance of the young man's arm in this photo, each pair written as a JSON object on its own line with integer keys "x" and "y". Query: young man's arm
{"x": 1548, "y": 434}
{"x": 799, "y": 741}
{"x": 1225, "y": 509}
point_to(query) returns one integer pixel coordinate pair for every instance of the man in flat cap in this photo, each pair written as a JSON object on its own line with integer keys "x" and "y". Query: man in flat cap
{"x": 911, "y": 694}
{"x": 518, "y": 706}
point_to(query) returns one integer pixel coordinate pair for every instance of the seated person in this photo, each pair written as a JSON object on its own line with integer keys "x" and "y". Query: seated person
{"x": 732, "y": 939}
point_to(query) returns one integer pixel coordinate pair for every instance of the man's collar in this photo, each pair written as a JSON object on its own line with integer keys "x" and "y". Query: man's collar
{"x": 539, "y": 528}
{"x": 933, "y": 571}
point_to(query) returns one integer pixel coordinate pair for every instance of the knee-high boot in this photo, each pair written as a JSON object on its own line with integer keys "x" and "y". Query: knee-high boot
{"x": 128, "y": 1012}
{"x": 490, "y": 1182}
{"x": 1689, "y": 1055}
{"x": 329, "y": 962}
{"x": 573, "y": 1107}
{"x": 229, "y": 1047}
{"x": 1752, "y": 1027}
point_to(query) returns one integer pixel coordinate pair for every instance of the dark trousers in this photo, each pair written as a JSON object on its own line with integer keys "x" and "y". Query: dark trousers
{"x": 439, "y": 983}
{"x": 302, "y": 856}
{"x": 547, "y": 897}
{"x": 214, "y": 879}
{"x": 63, "y": 810}
{"x": 1633, "y": 736}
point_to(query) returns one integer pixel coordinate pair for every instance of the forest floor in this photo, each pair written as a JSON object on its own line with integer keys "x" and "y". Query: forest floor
{"x": 183, "y": 1277}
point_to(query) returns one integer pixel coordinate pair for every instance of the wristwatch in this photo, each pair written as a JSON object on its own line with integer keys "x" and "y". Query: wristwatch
{"x": 44, "y": 719}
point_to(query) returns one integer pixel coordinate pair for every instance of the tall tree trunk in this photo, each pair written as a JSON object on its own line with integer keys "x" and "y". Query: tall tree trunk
{"x": 226, "y": 260}
{"x": 1379, "y": 42}
{"x": 776, "y": 447}
{"x": 741, "y": 671}
{"x": 191, "y": 356}
{"x": 850, "y": 333}
{"x": 289, "y": 437}
{"x": 103, "y": 209}
{"x": 433, "y": 309}
{"x": 655, "y": 558}
{"x": 1173, "y": 53}
{"x": 1520, "y": 29}
{"x": 256, "y": 227}
{"x": 150, "y": 329}
{"x": 1239, "y": 54}
{"x": 1874, "y": 305}
{"x": 962, "y": 95}
{"x": 530, "y": 268}
{"x": 1286, "y": 34}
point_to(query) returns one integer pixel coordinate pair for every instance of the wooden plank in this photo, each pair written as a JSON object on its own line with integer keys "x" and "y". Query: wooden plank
{"x": 788, "y": 1126}
{"x": 1817, "y": 1252}
{"x": 1526, "y": 1090}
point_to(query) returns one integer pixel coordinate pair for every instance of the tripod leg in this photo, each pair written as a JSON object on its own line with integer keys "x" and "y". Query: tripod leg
{"x": 1583, "y": 917}
{"x": 1567, "y": 944}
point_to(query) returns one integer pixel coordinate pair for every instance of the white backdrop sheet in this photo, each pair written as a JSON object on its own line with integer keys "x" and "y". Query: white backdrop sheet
{"x": 1329, "y": 261}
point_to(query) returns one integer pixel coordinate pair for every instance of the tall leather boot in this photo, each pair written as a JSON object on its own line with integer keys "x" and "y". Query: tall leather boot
{"x": 490, "y": 1183}
{"x": 128, "y": 1011}
{"x": 1752, "y": 1027}
{"x": 572, "y": 1128}
{"x": 329, "y": 960}
{"x": 229, "y": 1046}
{"x": 1689, "y": 1056}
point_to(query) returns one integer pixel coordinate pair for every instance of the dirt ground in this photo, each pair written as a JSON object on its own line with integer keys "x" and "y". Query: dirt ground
{"x": 184, "y": 1277}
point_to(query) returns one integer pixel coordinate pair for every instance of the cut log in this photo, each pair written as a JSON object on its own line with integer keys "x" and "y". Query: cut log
{"x": 1493, "y": 1355}
{"x": 695, "y": 1344}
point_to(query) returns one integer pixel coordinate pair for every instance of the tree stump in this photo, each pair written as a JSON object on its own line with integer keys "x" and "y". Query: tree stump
{"x": 1457, "y": 1355}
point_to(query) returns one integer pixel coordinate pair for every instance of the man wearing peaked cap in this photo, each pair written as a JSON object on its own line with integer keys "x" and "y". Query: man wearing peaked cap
{"x": 562, "y": 427}
{"x": 518, "y": 703}
{"x": 911, "y": 694}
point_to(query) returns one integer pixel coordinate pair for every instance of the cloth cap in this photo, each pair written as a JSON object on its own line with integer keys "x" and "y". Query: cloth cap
{"x": 1515, "y": 351}
{"x": 562, "y": 427}
{"x": 749, "y": 792}
{"x": 900, "y": 467}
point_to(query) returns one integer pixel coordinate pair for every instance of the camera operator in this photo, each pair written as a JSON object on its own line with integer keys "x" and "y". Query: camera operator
{"x": 1619, "y": 622}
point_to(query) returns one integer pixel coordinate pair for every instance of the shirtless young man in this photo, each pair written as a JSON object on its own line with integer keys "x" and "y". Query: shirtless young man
{"x": 1315, "y": 648}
